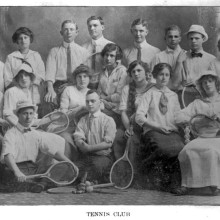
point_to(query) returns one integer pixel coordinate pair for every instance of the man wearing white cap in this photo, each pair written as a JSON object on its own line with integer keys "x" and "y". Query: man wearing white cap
{"x": 194, "y": 61}
{"x": 22, "y": 146}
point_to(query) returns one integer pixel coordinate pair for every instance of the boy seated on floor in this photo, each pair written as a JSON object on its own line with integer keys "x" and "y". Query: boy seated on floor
{"x": 26, "y": 151}
{"x": 93, "y": 137}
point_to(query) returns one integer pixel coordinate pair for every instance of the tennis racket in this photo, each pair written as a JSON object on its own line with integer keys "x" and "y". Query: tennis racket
{"x": 204, "y": 126}
{"x": 190, "y": 92}
{"x": 62, "y": 173}
{"x": 70, "y": 189}
{"x": 122, "y": 172}
{"x": 54, "y": 122}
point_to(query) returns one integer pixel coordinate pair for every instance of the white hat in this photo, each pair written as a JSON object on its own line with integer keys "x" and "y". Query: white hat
{"x": 207, "y": 73}
{"x": 26, "y": 67}
{"x": 198, "y": 29}
{"x": 24, "y": 104}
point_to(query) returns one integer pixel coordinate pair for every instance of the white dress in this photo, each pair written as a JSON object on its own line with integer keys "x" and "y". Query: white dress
{"x": 200, "y": 158}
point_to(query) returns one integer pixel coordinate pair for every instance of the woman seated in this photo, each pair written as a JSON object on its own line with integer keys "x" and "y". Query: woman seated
{"x": 112, "y": 80}
{"x": 73, "y": 102}
{"x": 23, "y": 37}
{"x": 130, "y": 97}
{"x": 161, "y": 142}
{"x": 199, "y": 159}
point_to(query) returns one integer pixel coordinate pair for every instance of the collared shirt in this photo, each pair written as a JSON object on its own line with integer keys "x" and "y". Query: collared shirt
{"x": 196, "y": 65}
{"x": 215, "y": 66}
{"x": 99, "y": 44}
{"x": 14, "y": 61}
{"x": 148, "y": 111}
{"x": 124, "y": 98}
{"x": 1, "y": 77}
{"x": 112, "y": 85}
{"x": 56, "y": 65}
{"x": 11, "y": 97}
{"x": 25, "y": 146}
{"x": 147, "y": 53}
{"x": 100, "y": 129}
{"x": 199, "y": 106}
{"x": 72, "y": 98}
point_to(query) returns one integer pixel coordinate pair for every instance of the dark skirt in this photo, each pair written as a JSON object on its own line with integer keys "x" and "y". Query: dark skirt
{"x": 158, "y": 159}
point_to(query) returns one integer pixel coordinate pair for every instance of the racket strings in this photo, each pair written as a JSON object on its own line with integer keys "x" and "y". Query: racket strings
{"x": 121, "y": 174}
{"x": 63, "y": 173}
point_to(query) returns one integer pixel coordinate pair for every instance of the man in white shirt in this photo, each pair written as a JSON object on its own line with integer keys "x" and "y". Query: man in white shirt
{"x": 94, "y": 136}
{"x": 141, "y": 50}
{"x": 171, "y": 53}
{"x": 27, "y": 151}
{"x": 94, "y": 46}
{"x": 62, "y": 61}
{"x": 191, "y": 64}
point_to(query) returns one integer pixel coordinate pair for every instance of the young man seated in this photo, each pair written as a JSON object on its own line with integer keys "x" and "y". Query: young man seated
{"x": 26, "y": 151}
{"x": 94, "y": 136}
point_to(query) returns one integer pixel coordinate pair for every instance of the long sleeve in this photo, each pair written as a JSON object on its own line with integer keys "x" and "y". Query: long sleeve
{"x": 51, "y": 66}
{"x": 7, "y": 72}
{"x": 64, "y": 100}
{"x": 110, "y": 131}
{"x": 40, "y": 68}
{"x": 80, "y": 131}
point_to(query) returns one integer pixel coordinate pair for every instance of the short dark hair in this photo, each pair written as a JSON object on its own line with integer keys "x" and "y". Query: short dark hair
{"x": 81, "y": 69}
{"x": 159, "y": 67}
{"x": 138, "y": 22}
{"x": 112, "y": 47}
{"x": 138, "y": 62}
{"x": 93, "y": 17}
{"x": 69, "y": 21}
{"x": 22, "y": 30}
{"x": 172, "y": 27}
{"x": 92, "y": 91}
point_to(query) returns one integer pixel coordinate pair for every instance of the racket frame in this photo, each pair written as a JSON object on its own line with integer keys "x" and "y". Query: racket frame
{"x": 45, "y": 175}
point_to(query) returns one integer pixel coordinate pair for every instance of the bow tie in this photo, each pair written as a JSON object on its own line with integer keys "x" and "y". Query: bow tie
{"x": 26, "y": 130}
{"x": 193, "y": 54}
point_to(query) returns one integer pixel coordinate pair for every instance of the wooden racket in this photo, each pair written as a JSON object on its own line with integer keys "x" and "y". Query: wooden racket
{"x": 204, "y": 126}
{"x": 190, "y": 92}
{"x": 54, "y": 122}
{"x": 61, "y": 173}
{"x": 70, "y": 189}
{"x": 122, "y": 171}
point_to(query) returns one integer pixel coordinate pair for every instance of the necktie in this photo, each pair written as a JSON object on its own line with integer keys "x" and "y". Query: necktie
{"x": 193, "y": 54}
{"x": 163, "y": 104}
{"x": 26, "y": 130}
{"x": 139, "y": 53}
{"x": 69, "y": 69}
{"x": 91, "y": 117}
{"x": 94, "y": 57}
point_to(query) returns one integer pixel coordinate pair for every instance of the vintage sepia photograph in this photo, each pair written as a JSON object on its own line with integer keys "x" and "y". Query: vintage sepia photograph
{"x": 109, "y": 106}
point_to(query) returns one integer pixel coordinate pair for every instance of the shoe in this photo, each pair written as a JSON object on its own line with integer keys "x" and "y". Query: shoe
{"x": 36, "y": 188}
{"x": 180, "y": 191}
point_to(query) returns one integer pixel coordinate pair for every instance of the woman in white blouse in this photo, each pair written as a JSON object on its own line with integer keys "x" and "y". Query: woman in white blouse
{"x": 23, "y": 37}
{"x": 130, "y": 98}
{"x": 161, "y": 142}
{"x": 73, "y": 102}
{"x": 199, "y": 159}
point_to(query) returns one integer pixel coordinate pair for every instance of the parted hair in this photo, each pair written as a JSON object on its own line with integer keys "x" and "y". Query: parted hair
{"x": 159, "y": 67}
{"x": 69, "y": 21}
{"x": 112, "y": 47}
{"x": 93, "y": 17}
{"x": 22, "y": 30}
{"x": 139, "y": 21}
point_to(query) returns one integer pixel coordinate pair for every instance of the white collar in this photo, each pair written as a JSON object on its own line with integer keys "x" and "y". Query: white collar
{"x": 65, "y": 44}
{"x": 178, "y": 49}
{"x": 96, "y": 114}
{"x": 98, "y": 41}
{"x": 141, "y": 45}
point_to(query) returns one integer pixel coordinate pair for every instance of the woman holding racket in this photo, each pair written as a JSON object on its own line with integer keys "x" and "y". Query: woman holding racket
{"x": 161, "y": 142}
{"x": 130, "y": 97}
{"x": 199, "y": 159}
{"x": 73, "y": 102}
{"x": 23, "y": 37}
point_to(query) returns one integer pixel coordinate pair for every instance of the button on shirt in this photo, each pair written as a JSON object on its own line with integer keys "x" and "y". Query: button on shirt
{"x": 56, "y": 66}
{"x": 112, "y": 85}
{"x": 99, "y": 44}
{"x": 147, "y": 53}
{"x": 25, "y": 146}
{"x": 148, "y": 110}
{"x": 101, "y": 128}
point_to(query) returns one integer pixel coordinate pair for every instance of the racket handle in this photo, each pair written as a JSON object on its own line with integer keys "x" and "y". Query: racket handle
{"x": 34, "y": 176}
{"x": 103, "y": 185}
